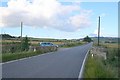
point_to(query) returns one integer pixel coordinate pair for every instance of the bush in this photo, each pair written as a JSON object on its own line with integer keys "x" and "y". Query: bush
{"x": 25, "y": 44}
{"x": 87, "y": 39}
{"x": 11, "y": 47}
{"x": 112, "y": 57}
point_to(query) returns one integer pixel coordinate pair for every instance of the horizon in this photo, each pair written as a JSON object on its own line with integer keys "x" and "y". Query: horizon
{"x": 60, "y": 38}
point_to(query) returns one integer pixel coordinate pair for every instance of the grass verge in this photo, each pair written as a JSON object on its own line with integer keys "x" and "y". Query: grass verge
{"x": 14, "y": 56}
{"x": 96, "y": 67}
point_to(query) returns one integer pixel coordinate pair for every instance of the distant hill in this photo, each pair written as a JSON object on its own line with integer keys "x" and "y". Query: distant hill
{"x": 6, "y": 36}
{"x": 106, "y": 39}
{"x": 9, "y": 37}
{"x": 95, "y": 39}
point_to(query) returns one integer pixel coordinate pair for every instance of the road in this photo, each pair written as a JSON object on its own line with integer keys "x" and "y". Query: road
{"x": 60, "y": 64}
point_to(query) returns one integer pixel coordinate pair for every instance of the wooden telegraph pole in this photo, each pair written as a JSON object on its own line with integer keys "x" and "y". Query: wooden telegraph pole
{"x": 99, "y": 31}
{"x": 21, "y": 34}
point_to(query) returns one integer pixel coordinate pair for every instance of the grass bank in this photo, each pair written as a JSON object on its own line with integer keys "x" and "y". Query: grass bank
{"x": 14, "y": 56}
{"x": 97, "y": 67}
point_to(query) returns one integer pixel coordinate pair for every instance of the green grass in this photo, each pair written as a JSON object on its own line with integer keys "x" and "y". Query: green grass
{"x": 95, "y": 68}
{"x": 13, "y": 56}
{"x": 0, "y": 57}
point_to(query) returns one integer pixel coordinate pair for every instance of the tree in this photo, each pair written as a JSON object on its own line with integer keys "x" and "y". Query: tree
{"x": 87, "y": 39}
{"x": 25, "y": 44}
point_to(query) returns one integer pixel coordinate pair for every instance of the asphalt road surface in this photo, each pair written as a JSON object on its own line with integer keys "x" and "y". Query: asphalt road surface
{"x": 60, "y": 64}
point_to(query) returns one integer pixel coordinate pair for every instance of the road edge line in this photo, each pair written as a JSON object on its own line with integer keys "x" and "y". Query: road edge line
{"x": 28, "y": 57}
{"x": 82, "y": 68}
{"x": 25, "y": 58}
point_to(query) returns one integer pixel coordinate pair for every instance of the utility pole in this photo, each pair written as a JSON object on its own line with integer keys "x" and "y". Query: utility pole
{"x": 21, "y": 24}
{"x": 99, "y": 31}
{"x": 21, "y": 29}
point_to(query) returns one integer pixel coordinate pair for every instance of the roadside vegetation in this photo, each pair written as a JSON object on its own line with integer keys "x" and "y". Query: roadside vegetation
{"x": 72, "y": 44}
{"x": 13, "y": 48}
{"x": 13, "y": 56}
{"x": 18, "y": 50}
{"x": 15, "y": 52}
{"x": 98, "y": 67}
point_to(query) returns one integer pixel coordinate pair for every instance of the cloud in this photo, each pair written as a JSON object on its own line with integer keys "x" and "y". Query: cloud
{"x": 95, "y": 33}
{"x": 101, "y": 31}
{"x": 44, "y": 13}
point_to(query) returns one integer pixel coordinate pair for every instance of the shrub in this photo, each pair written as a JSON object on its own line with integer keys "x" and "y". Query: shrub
{"x": 25, "y": 44}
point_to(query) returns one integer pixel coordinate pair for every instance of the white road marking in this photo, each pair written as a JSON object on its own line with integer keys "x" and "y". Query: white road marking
{"x": 82, "y": 68}
{"x": 26, "y": 58}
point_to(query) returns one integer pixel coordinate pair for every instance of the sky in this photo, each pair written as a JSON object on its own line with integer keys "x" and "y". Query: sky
{"x": 58, "y": 19}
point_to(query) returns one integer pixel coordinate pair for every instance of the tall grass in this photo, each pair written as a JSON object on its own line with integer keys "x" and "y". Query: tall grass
{"x": 14, "y": 56}
{"x": 95, "y": 68}
{"x": 11, "y": 47}
{"x": 18, "y": 55}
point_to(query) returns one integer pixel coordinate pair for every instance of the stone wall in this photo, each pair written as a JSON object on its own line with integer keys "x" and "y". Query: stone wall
{"x": 99, "y": 51}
